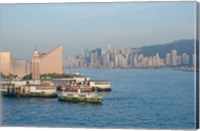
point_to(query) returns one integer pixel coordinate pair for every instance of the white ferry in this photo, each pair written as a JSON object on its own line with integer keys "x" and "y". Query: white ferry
{"x": 100, "y": 85}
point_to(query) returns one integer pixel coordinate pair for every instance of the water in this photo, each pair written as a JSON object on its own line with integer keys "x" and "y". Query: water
{"x": 139, "y": 99}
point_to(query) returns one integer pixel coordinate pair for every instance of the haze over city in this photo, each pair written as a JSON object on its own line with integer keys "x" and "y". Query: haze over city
{"x": 131, "y": 65}
{"x": 92, "y": 25}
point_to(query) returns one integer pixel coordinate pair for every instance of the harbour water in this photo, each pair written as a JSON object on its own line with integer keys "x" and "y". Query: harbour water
{"x": 140, "y": 98}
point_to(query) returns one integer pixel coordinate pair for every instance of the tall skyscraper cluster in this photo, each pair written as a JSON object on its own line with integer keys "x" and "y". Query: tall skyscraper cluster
{"x": 172, "y": 59}
{"x": 125, "y": 58}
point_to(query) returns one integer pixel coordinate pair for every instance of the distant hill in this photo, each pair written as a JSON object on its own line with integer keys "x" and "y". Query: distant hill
{"x": 181, "y": 46}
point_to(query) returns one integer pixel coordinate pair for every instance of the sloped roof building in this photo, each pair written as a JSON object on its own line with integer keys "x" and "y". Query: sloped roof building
{"x": 45, "y": 63}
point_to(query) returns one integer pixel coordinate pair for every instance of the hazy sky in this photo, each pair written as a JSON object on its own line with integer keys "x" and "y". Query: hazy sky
{"x": 91, "y": 25}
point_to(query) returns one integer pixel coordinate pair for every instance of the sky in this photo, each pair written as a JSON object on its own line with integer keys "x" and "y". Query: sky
{"x": 76, "y": 26}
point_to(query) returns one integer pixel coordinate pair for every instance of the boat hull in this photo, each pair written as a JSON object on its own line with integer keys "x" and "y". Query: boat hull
{"x": 38, "y": 95}
{"x": 77, "y": 100}
{"x": 101, "y": 89}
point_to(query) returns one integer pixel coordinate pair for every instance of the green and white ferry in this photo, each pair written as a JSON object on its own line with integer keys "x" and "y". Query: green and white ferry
{"x": 75, "y": 97}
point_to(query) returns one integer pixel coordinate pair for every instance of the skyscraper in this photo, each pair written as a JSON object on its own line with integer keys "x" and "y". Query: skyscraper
{"x": 194, "y": 59}
{"x": 174, "y": 57}
{"x": 93, "y": 58}
{"x": 135, "y": 60}
{"x": 98, "y": 52}
{"x": 179, "y": 60}
{"x": 168, "y": 59}
{"x": 185, "y": 59}
{"x": 98, "y": 55}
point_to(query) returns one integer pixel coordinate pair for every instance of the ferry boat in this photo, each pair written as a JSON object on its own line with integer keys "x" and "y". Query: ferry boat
{"x": 100, "y": 85}
{"x": 80, "y": 97}
{"x": 73, "y": 88}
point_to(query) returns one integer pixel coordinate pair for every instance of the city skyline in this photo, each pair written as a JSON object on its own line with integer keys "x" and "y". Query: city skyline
{"x": 103, "y": 49}
{"x": 76, "y": 26}
{"x": 128, "y": 58}
{"x": 112, "y": 57}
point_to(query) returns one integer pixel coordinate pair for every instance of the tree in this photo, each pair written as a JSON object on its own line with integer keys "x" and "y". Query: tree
{"x": 27, "y": 77}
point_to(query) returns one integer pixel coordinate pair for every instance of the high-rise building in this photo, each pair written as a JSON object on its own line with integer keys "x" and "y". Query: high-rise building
{"x": 179, "y": 61}
{"x": 104, "y": 59}
{"x": 93, "y": 58}
{"x": 98, "y": 52}
{"x": 109, "y": 47}
{"x": 174, "y": 57}
{"x": 168, "y": 59}
{"x": 7, "y": 63}
{"x": 150, "y": 61}
{"x": 185, "y": 59}
{"x": 86, "y": 57}
{"x": 130, "y": 60}
{"x": 193, "y": 59}
{"x": 135, "y": 60}
{"x": 98, "y": 55}
{"x": 158, "y": 60}
{"x": 116, "y": 61}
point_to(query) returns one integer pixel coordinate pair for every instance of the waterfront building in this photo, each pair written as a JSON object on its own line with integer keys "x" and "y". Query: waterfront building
{"x": 185, "y": 59}
{"x": 35, "y": 66}
{"x": 123, "y": 58}
{"x": 21, "y": 68}
{"x": 174, "y": 57}
{"x": 135, "y": 61}
{"x": 131, "y": 60}
{"x": 120, "y": 60}
{"x": 51, "y": 62}
{"x": 150, "y": 61}
{"x": 158, "y": 62}
{"x": 193, "y": 59}
{"x": 144, "y": 62}
{"x": 98, "y": 53}
{"x": 68, "y": 62}
{"x": 44, "y": 63}
{"x": 7, "y": 63}
{"x": 93, "y": 58}
{"x": 10, "y": 65}
{"x": 30, "y": 88}
{"x": 168, "y": 59}
{"x": 154, "y": 61}
{"x": 116, "y": 61}
{"x": 104, "y": 62}
{"x": 179, "y": 61}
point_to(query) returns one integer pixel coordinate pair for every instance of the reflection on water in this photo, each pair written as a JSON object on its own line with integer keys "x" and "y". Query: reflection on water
{"x": 104, "y": 94}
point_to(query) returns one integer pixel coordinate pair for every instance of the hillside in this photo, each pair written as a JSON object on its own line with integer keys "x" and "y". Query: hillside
{"x": 181, "y": 46}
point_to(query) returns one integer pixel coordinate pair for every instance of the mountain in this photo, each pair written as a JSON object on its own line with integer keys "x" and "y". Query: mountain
{"x": 182, "y": 46}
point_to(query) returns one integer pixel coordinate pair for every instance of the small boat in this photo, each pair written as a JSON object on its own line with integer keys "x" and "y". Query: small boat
{"x": 80, "y": 97}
